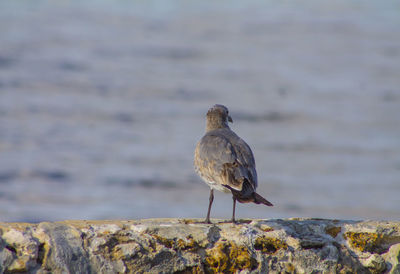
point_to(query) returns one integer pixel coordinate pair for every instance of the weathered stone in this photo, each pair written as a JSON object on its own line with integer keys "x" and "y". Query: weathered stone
{"x": 392, "y": 258}
{"x": 190, "y": 246}
{"x": 23, "y": 247}
{"x": 62, "y": 248}
{"x": 6, "y": 257}
{"x": 375, "y": 263}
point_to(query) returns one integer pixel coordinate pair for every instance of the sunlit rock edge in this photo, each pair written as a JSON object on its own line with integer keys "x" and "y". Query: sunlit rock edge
{"x": 190, "y": 246}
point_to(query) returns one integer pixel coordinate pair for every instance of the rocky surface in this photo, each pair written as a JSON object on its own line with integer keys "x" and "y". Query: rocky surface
{"x": 189, "y": 246}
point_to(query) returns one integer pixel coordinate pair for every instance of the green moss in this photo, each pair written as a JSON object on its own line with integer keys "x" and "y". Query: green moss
{"x": 363, "y": 241}
{"x": 333, "y": 230}
{"x": 269, "y": 245}
{"x": 227, "y": 257}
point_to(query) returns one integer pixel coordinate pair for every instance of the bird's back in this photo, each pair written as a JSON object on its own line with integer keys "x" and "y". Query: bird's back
{"x": 225, "y": 159}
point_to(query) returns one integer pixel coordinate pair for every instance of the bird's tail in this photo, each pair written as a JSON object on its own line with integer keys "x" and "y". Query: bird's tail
{"x": 258, "y": 199}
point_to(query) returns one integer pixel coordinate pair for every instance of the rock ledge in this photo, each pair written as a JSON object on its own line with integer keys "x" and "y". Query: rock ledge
{"x": 189, "y": 246}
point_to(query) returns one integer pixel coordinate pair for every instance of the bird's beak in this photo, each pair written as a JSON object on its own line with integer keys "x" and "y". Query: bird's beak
{"x": 230, "y": 119}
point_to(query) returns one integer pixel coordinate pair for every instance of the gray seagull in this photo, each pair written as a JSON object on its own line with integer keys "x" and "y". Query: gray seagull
{"x": 225, "y": 162}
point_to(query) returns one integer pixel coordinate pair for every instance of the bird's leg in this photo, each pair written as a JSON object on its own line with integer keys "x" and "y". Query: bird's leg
{"x": 211, "y": 199}
{"x": 233, "y": 211}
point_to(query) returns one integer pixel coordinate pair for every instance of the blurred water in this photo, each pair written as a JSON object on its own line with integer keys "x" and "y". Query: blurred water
{"x": 102, "y": 103}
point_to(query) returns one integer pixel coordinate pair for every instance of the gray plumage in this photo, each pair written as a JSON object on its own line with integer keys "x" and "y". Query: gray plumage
{"x": 225, "y": 162}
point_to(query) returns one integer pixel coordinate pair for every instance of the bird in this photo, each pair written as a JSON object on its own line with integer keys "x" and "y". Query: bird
{"x": 225, "y": 161}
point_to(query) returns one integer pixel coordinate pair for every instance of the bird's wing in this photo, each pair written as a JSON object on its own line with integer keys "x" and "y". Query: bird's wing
{"x": 245, "y": 158}
{"x": 224, "y": 162}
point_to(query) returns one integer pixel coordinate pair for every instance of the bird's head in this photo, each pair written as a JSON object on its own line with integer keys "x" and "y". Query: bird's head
{"x": 218, "y": 117}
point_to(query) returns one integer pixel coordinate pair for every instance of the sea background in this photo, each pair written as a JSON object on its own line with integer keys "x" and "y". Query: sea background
{"x": 102, "y": 103}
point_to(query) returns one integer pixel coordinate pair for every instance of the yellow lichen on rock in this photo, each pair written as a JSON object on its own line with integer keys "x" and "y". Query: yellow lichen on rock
{"x": 228, "y": 257}
{"x": 363, "y": 241}
{"x": 269, "y": 245}
{"x": 164, "y": 241}
{"x": 266, "y": 228}
{"x": 188, "y": 244}
{"x": 178, "y": 244}
{"x": 289, "y": 268}
{"x": 333, "y": 230}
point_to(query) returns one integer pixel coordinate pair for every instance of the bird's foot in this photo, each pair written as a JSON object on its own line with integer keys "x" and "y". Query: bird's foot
{"x": 207, "y": 221}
